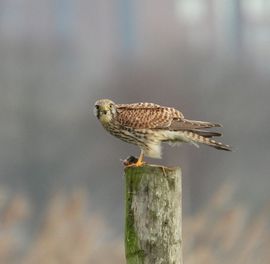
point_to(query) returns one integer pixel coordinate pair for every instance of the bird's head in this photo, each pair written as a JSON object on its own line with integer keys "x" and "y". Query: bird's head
{"x": 105, "y": 110}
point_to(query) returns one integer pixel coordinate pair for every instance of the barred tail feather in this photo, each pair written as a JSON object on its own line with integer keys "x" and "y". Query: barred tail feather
{"x": 197, "y": 138}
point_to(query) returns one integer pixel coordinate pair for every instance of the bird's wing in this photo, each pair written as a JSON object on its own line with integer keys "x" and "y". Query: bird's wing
{"x": 147, "y": 115}
{"x": 185, "y": 124}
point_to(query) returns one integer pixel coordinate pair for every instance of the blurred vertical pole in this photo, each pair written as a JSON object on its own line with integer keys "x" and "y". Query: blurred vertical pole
{"x": 230, "y": 15}
{"x": 127, "y": 27}
{"x": 63, "y": 17}
{"x": 63, "y": 25}
{"x": 235, "y": 25}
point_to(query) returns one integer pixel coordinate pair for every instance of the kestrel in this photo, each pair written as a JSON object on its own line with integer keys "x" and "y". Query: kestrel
{"x": 147, "y": 125}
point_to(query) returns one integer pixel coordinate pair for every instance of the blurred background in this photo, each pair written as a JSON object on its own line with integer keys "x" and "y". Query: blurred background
{"x": 61, "y": 178}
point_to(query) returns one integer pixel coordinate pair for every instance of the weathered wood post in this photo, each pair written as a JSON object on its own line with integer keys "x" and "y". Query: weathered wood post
{"x": 153, "y": 228}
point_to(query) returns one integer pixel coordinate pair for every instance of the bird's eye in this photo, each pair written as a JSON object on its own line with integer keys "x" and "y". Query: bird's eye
{"x": 111, "y": 105}
{"x": 97, "y": 107}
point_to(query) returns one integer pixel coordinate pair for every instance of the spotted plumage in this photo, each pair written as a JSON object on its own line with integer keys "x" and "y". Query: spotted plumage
{"x": 147, "y": 125}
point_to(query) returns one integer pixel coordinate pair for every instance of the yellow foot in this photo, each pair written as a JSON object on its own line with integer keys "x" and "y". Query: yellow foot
{"x": 139, "y": 163}
{"x": 133, "y": 162}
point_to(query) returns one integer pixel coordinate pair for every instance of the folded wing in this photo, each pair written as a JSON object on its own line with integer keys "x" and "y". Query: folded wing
{"x": 147, "y": 115}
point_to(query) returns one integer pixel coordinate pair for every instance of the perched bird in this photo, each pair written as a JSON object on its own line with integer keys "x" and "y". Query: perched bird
{"x": 147, "y": 125}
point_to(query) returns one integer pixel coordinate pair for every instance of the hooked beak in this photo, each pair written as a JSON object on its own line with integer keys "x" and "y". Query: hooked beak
{"x": 100, "y": 112}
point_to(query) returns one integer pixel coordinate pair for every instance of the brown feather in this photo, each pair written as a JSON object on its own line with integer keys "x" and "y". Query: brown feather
{"x": 146, "y": 115}
{"x": 206, "y": 133}
{"x": 186, "y": 124}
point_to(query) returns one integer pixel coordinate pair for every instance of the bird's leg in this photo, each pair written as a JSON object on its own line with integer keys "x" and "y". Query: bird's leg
{"x": 140, "y": 161}
{"x": 134, "y": 162}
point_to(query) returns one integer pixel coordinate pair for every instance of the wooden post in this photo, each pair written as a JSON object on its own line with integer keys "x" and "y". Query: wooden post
{"x": 153, "y": 228}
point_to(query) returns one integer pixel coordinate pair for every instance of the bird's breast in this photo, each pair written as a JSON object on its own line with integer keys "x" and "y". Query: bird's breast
{"x": 127, "y": 134}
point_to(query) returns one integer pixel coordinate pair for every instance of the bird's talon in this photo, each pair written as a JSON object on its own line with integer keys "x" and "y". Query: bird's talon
{"x": 138, "y": 163}
{"x": 132, "y": 161}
